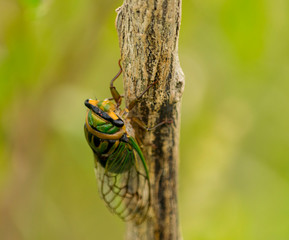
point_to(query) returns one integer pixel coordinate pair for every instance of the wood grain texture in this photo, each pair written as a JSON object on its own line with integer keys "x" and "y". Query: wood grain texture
{"x": 148, "y": 33}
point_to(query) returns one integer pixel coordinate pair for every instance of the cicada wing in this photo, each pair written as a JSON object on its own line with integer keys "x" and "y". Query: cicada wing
{"x": 124, "y": 183}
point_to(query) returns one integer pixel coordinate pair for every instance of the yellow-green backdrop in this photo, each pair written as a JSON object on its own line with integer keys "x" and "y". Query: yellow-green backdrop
{"x": 234, "y": 169}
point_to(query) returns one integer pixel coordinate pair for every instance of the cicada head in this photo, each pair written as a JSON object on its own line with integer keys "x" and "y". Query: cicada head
{"x": 104, "y": 110}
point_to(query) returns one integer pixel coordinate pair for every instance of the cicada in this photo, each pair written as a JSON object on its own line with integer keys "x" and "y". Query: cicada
{"x": 121, "y": 169}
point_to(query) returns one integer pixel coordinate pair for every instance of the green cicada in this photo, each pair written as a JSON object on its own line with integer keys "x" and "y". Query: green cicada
{"x": 121, "y": 170}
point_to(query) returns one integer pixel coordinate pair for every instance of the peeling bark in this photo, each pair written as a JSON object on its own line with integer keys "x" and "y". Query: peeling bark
{"x": 148, "y": 33}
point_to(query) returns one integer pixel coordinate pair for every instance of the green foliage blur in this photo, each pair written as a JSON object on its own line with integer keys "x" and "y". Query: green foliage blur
{"x": 234, "y": 169}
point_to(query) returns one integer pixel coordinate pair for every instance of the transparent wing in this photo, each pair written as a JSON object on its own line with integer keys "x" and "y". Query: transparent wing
{"x": 124, "y": 183}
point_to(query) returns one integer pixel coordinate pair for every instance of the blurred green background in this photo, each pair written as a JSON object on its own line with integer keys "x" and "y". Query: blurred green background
{"x": 234, "y": 169}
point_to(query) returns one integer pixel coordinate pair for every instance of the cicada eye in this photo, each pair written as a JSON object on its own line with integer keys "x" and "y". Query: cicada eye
{"x": 86, "y": 103}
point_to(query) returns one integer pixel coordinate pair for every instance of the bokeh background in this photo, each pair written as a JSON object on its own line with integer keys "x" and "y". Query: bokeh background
{"x": 234, "y": 169}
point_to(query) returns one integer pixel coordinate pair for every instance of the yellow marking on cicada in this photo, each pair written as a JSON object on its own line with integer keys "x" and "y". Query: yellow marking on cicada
{"x": 114, "y": 136}
{"x": 124, "y": 129}
{"x": 113, "y": 115}
{"x": 93, "y": 102}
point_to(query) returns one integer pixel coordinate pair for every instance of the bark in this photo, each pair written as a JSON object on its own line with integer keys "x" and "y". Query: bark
{"x": 148, "y": 33}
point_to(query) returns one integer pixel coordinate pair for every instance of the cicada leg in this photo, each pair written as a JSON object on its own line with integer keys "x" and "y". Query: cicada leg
{"x": 134, "y": 102}
{"x": 142, "y": 125}
{"x": 121, "y": 96}
{"x": 143, "y": 144}
{"x": 115, "y": 95}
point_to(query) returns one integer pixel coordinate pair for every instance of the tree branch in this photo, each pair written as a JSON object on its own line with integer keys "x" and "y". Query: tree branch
{"x": 148, "y": 33}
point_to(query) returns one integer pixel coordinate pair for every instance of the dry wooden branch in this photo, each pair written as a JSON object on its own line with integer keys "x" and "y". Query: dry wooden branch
{"x": 148, "y": 37}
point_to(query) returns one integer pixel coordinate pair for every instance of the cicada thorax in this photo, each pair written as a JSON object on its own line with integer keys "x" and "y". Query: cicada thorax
{"x": 108, "y": 141}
